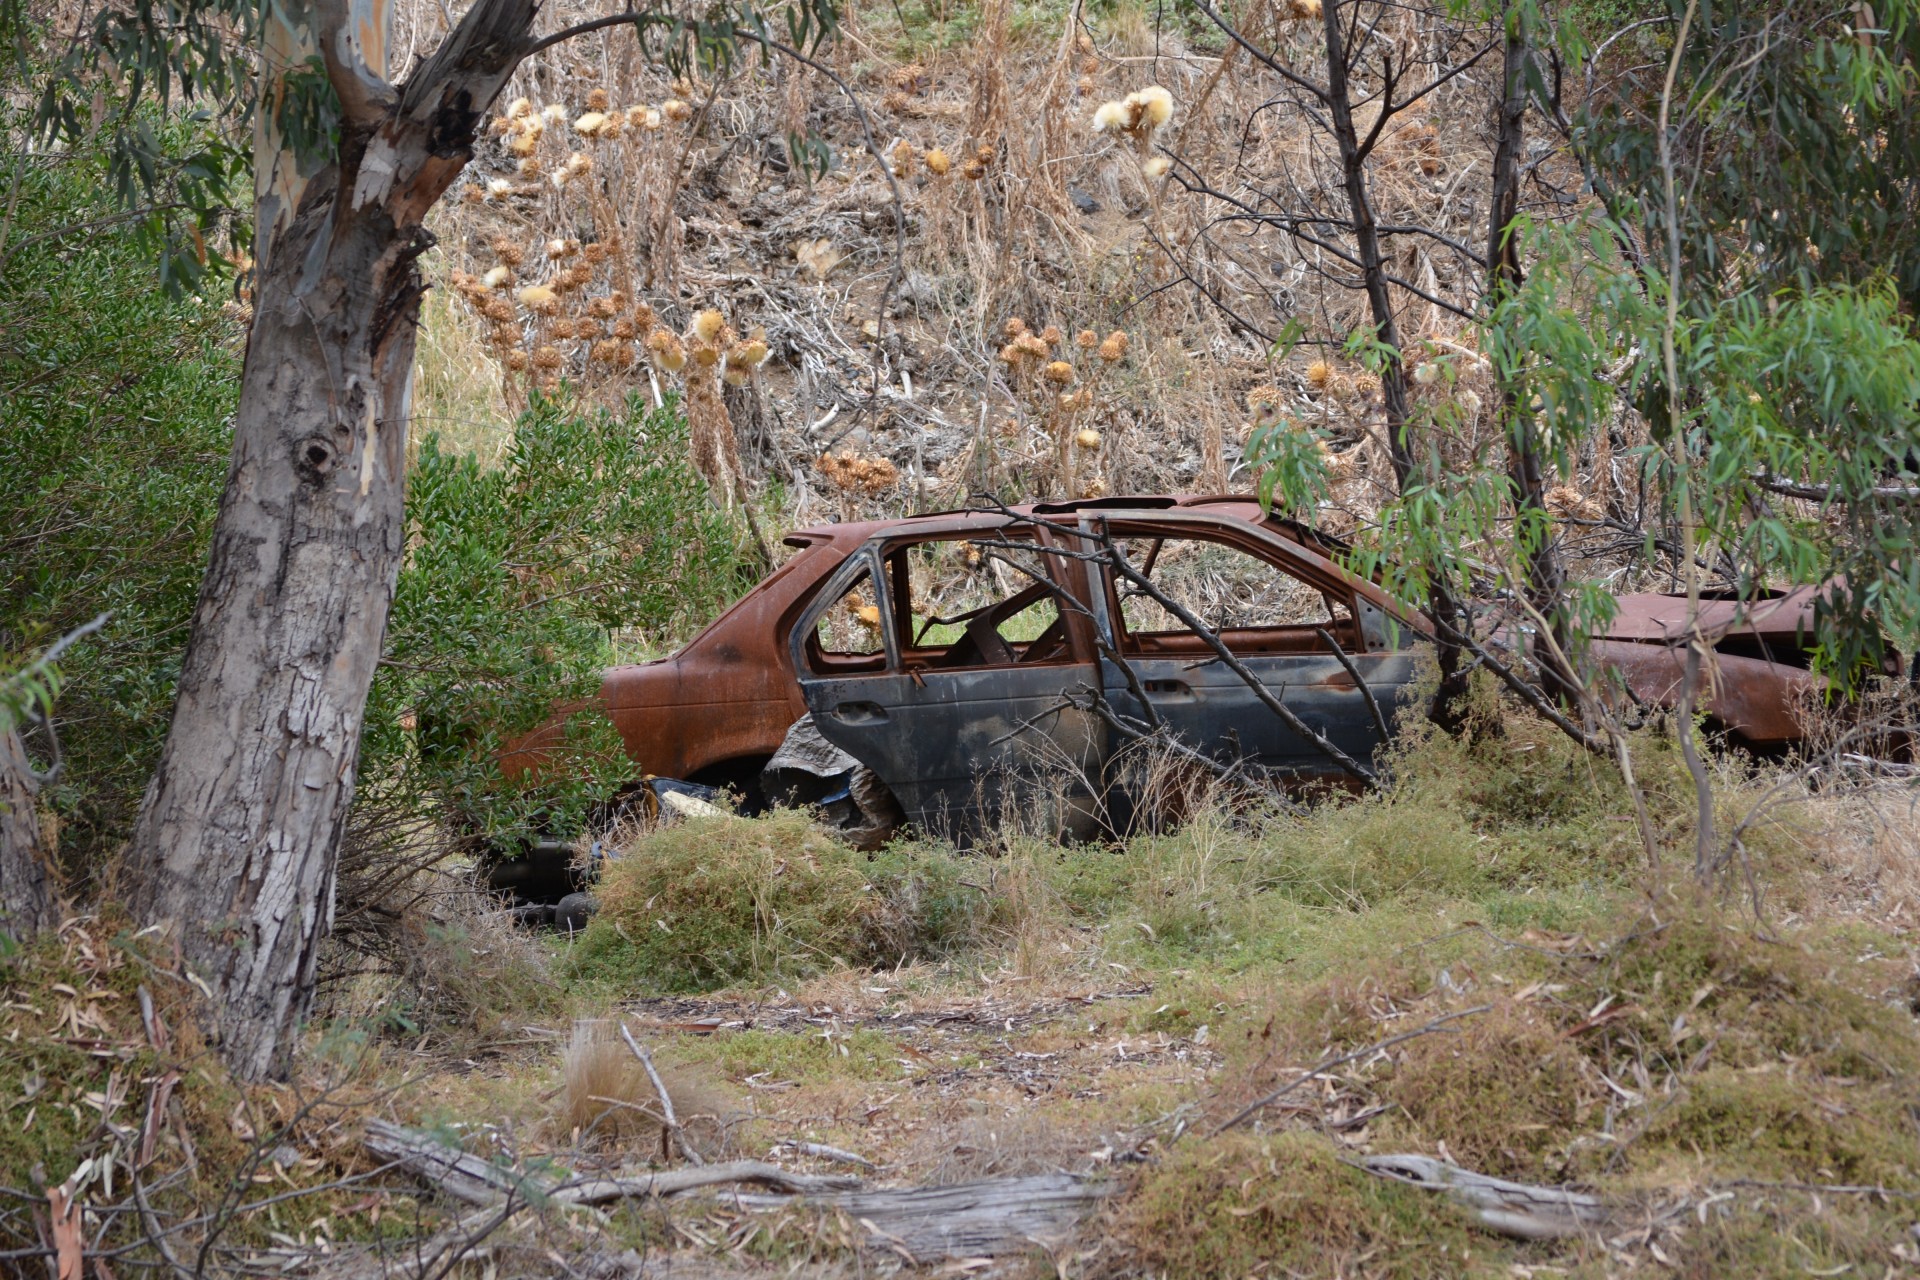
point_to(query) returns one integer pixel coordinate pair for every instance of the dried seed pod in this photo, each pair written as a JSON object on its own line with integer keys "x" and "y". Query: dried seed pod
{"x": 605, "y": 308}
{"x": 548, "y": 357}
{"x": 540, "y": 298}
{"x": 938, "y": 162}
{"x": 1086, "y": 340}
{"x": 1087, "y": 438}
{"x": 1319, "y": 374}
{"x": 1060, "y": 373}
{"x": 516, "y": 360}
{"x": 597, "y": 99}
{"x": 707, "y": 325}
{"x": 561, "y": 328}
{"x": 497, "y": 277}
{"x": 676, "y": 110}
{"x": 1114, "y": 346}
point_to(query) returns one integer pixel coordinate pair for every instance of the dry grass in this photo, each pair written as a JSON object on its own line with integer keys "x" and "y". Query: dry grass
{"x": 607, "y": 1098}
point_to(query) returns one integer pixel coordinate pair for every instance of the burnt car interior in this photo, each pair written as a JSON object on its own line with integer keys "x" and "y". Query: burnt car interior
{"x": 996, "y": 611}
{"x": 1251, "y": 603}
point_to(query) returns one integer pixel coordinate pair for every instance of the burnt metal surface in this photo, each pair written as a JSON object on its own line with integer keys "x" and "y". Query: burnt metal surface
{"x": 948, "y": 741}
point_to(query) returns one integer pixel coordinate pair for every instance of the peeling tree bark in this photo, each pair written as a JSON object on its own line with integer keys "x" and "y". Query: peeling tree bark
{"x": 236, "y": 843}
{"x": 27, "y": 902}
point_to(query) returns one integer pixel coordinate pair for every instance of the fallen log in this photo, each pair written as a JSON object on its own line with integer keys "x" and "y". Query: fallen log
{"x": 1510, "y": 1208}
{"x": 966, "y": 1220}
{"x": 478, "y": 1181}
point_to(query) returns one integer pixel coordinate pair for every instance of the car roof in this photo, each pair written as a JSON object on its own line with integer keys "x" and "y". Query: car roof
{"x": 1242, "y": 506}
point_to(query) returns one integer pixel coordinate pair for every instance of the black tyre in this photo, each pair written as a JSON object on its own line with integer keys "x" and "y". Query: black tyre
{"x": 571, "y": 913}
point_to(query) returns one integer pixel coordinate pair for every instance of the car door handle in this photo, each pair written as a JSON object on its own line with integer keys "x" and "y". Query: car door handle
{"x": 1169, "y": 688}
{"x": 860, "y": 713}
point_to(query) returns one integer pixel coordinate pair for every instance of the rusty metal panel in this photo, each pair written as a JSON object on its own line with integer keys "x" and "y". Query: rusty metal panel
{"x": 1751, "y": 697}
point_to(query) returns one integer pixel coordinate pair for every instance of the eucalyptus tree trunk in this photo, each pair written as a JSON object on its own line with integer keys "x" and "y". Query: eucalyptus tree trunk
{"x": 235, "y": 848}
{"x": 1450, "y": 621}
{"x": 26, "y": 882}
{"x": 1526, "y": 464}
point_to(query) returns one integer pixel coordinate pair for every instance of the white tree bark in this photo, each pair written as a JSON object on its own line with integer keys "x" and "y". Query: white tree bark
{"x": 26, "y": 883}
{"x": 236, "y": 843}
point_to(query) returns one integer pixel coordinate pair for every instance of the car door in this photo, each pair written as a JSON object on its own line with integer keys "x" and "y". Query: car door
{"x": 948, "y": 661}
{"x": 1274, "y": 605}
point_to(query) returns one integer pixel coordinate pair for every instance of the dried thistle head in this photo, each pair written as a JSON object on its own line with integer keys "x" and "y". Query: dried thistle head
{"x": 1051, "y": 335}
{"x": 590, "y": 124}
{"x": 561, "y": 328}
{"x": 973, "y": 170}
{"x": 1155, "y": 166}
{"x": 667, "y": 349}
{"x": 1087, "y": 438}
{"x": 1300, "y": 10}
{"x": 1060, "y": 373}
{"x": 548, "y": 357}
{"x": 523, "y": 144}
{"x": 520, "y": 108}
{"x": 734, "y": 376}
{"x": 1114, "y": 346}
{"x": 611, "y": 351}
{"x": 938, "y": 162}
{"x": 647, "y": 118}
{"x": 1263, "y": 405}
{"x": 1319, "y": 374}
{"x": 623, "y": 328}
{"x": 594, "y": 251}
{"x": 1086, "y": 340}
{"x": 579, "y": 164}
{"x": 539, "y": 298}
{"x": 706, "y": 357}
{"x": 642, "y": 316}
{"x": 500, "y": 311}
{"x": 676, "y": 110}
{"x": 1034, "y": 345}
{"x": 707, "y": 325}
{"x": 902, "y": 159}
{"x": 597, "y": 99}
{"x": 1015, "y": 327}
{"x": 498, "y": 127}
{"x": 498, "y": 188}
{"x": 497, "y": 277}
{"x": 605, "y": 308}
{"x": 529, "y": 167}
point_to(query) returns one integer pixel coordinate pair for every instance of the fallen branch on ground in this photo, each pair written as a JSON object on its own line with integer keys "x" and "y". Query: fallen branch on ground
{"x": 477, "y": 1181}
{"x": 1329, "y": 1064}
{"x": 1510, "y": 1208}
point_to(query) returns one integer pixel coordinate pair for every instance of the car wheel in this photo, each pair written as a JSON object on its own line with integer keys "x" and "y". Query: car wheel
{"x": 571, "y": 913}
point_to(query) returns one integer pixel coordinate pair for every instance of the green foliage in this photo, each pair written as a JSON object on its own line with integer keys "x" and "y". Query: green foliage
{"x": 1240, "y": 1205}
{"x": 515, "y": 576}
{"x": 714, "y": 902}
{"x": 114, "y": 435}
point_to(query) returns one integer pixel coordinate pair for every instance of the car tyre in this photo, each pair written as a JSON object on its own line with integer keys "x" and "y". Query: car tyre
{"x": 571, "y": 913}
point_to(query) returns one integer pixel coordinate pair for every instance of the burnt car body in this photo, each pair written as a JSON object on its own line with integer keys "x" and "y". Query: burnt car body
{"x": 949, "y": 692}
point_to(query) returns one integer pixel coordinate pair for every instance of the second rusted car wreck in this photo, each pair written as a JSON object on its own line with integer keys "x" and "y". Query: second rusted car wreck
{"x": 945, "y": 669}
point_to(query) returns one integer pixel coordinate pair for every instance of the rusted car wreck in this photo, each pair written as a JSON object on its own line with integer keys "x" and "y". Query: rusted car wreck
{"x": 966, "y": 662}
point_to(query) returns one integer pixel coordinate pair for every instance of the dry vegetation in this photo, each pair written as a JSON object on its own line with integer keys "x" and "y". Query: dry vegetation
{"x": 1739, "y": 1083}
{"x": 1737, "y": 1089}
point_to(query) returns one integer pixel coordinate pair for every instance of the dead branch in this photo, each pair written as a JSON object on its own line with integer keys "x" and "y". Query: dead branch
{"x": 1329, "y": 1064}
{"x": 1366, "y": 690}
{"x": 477, "y": 1181}
{"x": 1510, "y": 1208}
{"x": 666, "y": 1103}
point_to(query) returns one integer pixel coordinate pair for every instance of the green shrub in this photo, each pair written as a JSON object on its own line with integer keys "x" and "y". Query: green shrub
{"x": 516, "y": 579}
{"x": 115, "y": 426}
{"x": 714, "y": 902}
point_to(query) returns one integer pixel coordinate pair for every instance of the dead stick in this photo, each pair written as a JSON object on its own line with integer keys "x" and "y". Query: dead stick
{"x": 1366, "y": 690}
{"x": 659, "y": 1087}
{"x": 1343, "y": 1059}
